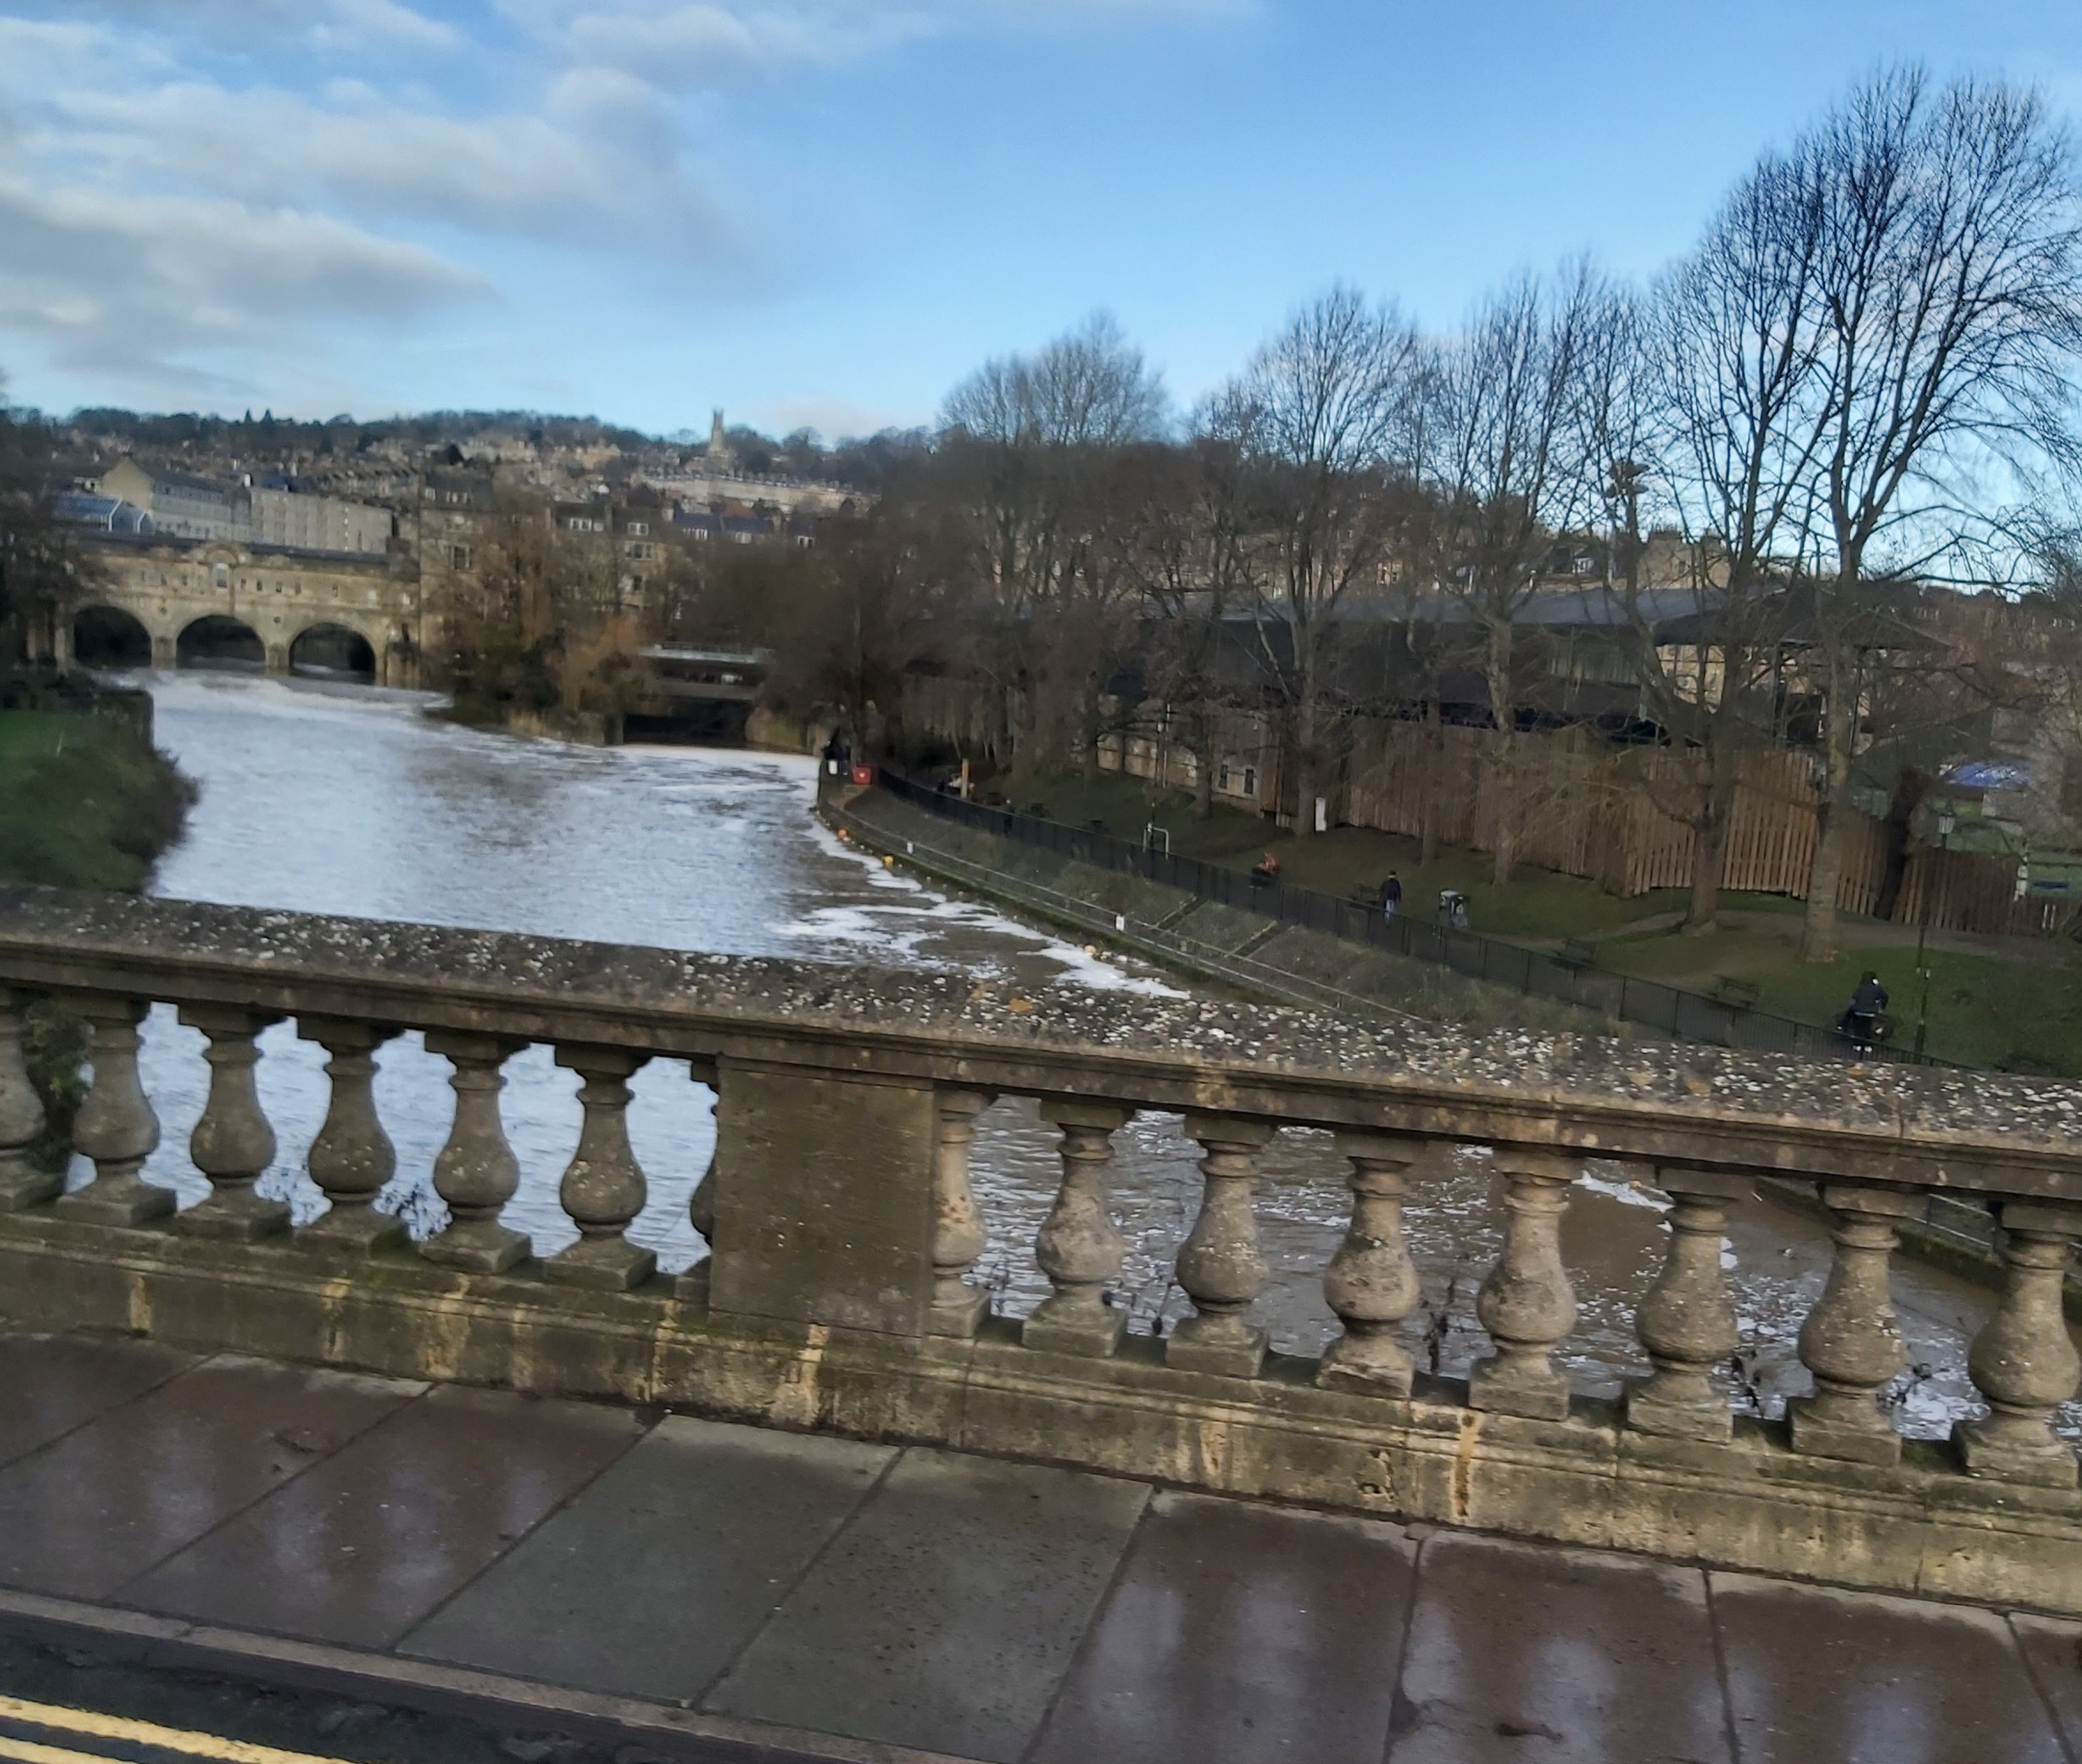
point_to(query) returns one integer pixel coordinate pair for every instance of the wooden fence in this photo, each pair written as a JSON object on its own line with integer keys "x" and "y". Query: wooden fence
{"x": 1585, "y": 809}
{"x": 1581, "y": 807}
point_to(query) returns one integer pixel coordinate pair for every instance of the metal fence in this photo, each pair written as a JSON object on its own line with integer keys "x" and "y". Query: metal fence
{"x": 1692, "y": 1017}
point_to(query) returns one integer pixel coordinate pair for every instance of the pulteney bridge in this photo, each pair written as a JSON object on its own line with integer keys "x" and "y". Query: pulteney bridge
{"x": 836, "y": 1300}
{"x": 165, "y": 603}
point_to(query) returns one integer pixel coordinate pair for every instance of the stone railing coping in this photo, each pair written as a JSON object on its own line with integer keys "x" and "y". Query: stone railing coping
{"x": 1658, "y": 1101}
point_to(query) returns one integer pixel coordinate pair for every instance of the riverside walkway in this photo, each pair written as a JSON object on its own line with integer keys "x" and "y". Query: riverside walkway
{"x": 720, "y": 1592}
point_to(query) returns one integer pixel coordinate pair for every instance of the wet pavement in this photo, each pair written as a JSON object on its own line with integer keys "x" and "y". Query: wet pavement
{"x": 827, "y": 1598}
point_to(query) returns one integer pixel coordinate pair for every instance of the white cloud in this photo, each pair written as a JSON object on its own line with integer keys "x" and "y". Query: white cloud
{"x": 374, "y": 26}
{"x": 696, "y": 42}
{"x": 184, "y": 179}
{"x": 150, "y": 289}
{"x": 508, "y": 174}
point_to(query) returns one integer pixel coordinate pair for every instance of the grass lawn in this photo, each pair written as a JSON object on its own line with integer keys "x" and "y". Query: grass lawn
{"x": 83, "y": 803}
{"x": 2023, "y": 1015}
{"x": 1537, "y": 904}
{"x": 1127, "y": 805}
{"x": 2016, "y": 1016}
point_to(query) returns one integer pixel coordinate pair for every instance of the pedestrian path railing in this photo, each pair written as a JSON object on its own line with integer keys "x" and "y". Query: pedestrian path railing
{"x": 844, "y": 1230}
{"x": 1723, "y": 1021}
{"x": 1160, "y": 942}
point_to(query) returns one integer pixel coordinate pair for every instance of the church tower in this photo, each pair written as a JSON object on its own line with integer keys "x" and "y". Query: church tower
{"x": 720, "y": 457}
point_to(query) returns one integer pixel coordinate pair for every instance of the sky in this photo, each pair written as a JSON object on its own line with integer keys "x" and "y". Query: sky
{"x": 824, "y": 213}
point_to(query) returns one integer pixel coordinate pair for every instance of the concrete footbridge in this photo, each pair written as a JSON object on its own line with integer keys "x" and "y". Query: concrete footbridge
{"x": 821, "y": 1495}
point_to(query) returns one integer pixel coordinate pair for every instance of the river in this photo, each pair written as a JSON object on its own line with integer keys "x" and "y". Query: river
{"x": 351, "y": 800}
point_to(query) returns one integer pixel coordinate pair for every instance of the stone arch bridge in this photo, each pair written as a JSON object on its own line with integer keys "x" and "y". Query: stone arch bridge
{"x": 166, "y": 602}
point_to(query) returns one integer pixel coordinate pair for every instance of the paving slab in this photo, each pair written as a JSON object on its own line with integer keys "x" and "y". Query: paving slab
{"x": 2052, "y": 1651}
{"x": 363, "y": 1546}
{"x": 945, "y": 1614}
{"x": 1862, "y": 1679}
{"x": 101, "y": 1505}
{"x": 649, "y": 1583}
{"x": 1241, "y": 1635}
{"x": 55, "y": 1382}
{"x": 1521, "y": 1652}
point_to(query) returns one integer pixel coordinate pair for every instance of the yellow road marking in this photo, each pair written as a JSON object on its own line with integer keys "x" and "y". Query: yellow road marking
{"x": 95, "y": 1725}
{"x": 29, "y": 1752}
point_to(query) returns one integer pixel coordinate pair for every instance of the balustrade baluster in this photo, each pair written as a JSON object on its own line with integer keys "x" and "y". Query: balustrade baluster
{"x": 22, "y": 1183}
{"x": 1527, "y": 1303}
{"x": 958, "y": 1233}
{"x": 116, "y": 1127}
{"x": 603, "y": 1188}
{"x": 1371, "y": 1282}
{"x": 2024, "y": 1361}
{"x": 1850, "y": 1341}
{"x": 1079, "y": 1247}
{"x": 693, "y": 1285}
{"x": 1220, "y": 1267}
{"x": 233, "y": 1143}
{"x": 352, "y": 1157}
{"x": 1687, "y": 1321}
{"x": 476, "y": 1173}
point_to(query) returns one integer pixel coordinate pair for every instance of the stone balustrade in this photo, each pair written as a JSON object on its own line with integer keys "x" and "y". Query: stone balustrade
{"x": 844, "y": 1232}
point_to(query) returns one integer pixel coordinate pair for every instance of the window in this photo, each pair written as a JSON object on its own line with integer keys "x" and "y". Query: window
{"x": 639, "y": 528}
{"x": 220, "y": 575}
{"x": 637, "y": 549}
{"x": 1238, "y": 780}
{"x": 458, "y": 556}
{"x": 1585, "y": 564}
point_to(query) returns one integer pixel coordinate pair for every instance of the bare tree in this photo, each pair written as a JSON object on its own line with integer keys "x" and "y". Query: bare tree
{"x": 1189, "y": 567}
{"x": 1698, "y": 402}
{"x": 1030, "y": 439}
{"x": 1322, "y": 420}
{"x": 1950, "y": 281}
{"x": 1508, "y": 390}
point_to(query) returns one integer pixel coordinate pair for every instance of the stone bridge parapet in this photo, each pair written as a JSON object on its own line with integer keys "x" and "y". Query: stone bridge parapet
{"x": 844, "y": 1230}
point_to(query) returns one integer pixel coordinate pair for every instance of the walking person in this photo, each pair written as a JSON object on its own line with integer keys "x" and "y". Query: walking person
{"x": 1861, "y": 1021}
{"x": 1391, "y": 895}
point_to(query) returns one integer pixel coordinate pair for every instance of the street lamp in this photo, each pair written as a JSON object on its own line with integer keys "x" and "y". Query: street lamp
{"x": 1923, "y": 936}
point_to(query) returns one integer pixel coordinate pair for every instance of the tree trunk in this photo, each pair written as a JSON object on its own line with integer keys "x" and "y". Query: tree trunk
{"x": 1502, "y": 751}
{"x": 1435, "y": 744}
{"x": 1305, "y": 752}
{"x": 1909, "y": 789}
{"x": 1203, "y": 771}
{"x": 1709, "y": 849}
{"x": 1818, "y": 936}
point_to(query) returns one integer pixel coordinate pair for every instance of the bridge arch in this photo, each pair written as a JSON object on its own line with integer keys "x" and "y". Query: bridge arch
{"x": 218, "y": 640}
{"x": 334, "y": 651}
{"x": 108, "y": 636}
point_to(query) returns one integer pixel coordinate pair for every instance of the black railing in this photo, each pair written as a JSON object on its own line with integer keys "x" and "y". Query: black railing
{"x": 1692, "y": 1017}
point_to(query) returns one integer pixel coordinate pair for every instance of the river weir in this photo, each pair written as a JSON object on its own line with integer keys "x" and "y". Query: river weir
{"x": 336, "y": 799}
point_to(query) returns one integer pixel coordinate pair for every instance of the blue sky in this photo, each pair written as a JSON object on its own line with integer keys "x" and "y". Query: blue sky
{"x": 825, "y": 211}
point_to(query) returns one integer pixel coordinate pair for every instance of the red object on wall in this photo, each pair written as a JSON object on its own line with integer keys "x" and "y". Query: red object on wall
{"x": 863, "y": 774}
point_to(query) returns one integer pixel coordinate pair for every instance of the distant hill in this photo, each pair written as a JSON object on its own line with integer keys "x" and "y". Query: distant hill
{"x": 268, "y": 434}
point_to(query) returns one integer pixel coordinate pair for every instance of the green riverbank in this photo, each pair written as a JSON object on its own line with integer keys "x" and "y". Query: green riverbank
{"x": 86, "y": 801}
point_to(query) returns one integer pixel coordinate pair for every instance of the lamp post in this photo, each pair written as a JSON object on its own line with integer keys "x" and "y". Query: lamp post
{"x": 1923, "y": 936}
